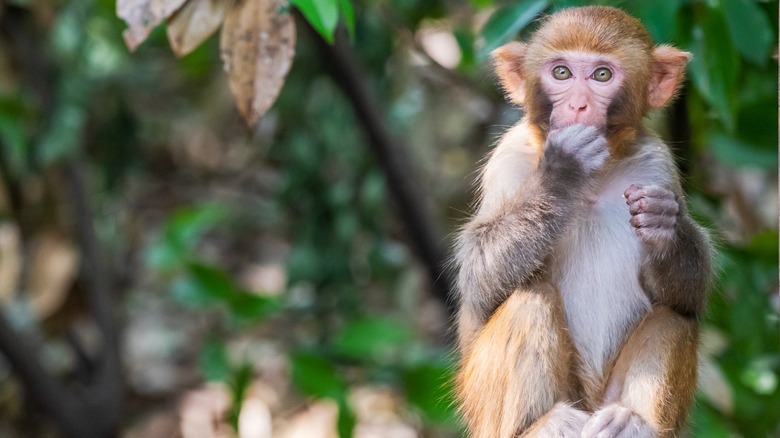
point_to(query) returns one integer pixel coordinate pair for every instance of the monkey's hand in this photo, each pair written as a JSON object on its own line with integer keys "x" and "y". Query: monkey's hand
{"x": 575, "y": 150}
{"x": 654, "y": 212}
{"x": 616, "y": 421}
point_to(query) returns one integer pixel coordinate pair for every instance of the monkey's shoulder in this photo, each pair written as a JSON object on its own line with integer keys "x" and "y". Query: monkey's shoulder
{"x": 509, "y": 166}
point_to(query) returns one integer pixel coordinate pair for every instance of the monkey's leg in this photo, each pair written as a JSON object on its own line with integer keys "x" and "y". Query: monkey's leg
{"x": 518, "y": 365}
{"x": 653, "y": 381}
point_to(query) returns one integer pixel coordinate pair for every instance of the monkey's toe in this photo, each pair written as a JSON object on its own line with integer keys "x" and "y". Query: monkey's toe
{"x": 616, "y": 421}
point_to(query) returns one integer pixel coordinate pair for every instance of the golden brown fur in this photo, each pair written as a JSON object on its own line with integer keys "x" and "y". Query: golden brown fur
{"x": 513, "y": 343}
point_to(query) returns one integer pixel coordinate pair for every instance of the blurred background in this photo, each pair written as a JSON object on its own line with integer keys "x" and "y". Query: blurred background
{"x": 165, "y": 271}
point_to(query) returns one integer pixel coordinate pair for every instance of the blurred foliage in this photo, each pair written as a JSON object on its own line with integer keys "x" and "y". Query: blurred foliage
{"x": 353, "y": 290}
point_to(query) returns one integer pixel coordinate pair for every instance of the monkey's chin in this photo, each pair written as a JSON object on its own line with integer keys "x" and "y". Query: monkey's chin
{"x": 554, "y": 125}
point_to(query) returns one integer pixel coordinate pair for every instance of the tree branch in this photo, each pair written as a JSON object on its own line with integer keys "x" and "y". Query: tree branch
{"x": 392, "y": 158}
{"x": 92, "y": 408}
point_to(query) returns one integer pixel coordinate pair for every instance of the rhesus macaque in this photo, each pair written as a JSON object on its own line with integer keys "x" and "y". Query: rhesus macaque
{"x": 581, "y": 274}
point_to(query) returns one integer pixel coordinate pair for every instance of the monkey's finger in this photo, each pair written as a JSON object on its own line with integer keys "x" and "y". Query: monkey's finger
{"x": 636, "y": 191}
{"x": 650, "y": 220}
{"x": 606, "y": 422}
{"x": 662, "y": 206}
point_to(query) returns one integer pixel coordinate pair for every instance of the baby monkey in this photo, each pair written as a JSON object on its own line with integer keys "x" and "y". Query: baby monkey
{"x": 581, "y": 274}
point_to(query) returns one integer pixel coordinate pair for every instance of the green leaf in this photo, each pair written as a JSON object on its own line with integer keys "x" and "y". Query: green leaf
{"x": 214, "y": 361}
{"x": 430, "y": 388}
{"x": 481, "y": 4}
{"x": 750, "y": 30}
{"x": 706, "y": 422}
{"x": 373, "y": 338}
{"x": 760, "y": 376}
{"x": 757, "y": 123}
{"x": 316, "y": 376}
{"x": 203, "y": 285}
{"x": 764, "y": 246}
{"x": 563, "y": 4}
{"x": 248, "y": 307}
{"x": 346, "y": 422}
{"x": 507, "y": 21}
{"x": 348, "y": 14}
{"x": 715, "y": 65}
{"x": 659, "y": 16}
{"x": 14, "y": 142}
{"x": 735, "y": 152}
{"x": 187, "y": 225}
{"x": 161, "y": 255}
{"x": 239, "y": 382}
{"x": 323, "y": 15}
{"x": 181, "y": 234}
{"x": 465, "y": 39}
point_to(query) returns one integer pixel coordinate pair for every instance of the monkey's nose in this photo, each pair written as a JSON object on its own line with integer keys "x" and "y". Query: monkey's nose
{"x": 578, "y": 107}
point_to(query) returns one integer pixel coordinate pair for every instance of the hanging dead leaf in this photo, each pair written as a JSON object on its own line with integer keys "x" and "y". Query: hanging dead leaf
{"x": 142, "y": 16}
{"x": 257, "y": 47}
{"x": 194, "y": 22}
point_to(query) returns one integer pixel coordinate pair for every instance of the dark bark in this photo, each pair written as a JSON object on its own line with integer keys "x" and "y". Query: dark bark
{"x": 404, "y": 185}
{"x": 91, "y": 407}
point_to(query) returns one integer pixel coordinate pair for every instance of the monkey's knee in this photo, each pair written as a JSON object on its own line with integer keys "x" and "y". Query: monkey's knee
{"x": 655, "y": 373}
{"x": 517, "y": 366}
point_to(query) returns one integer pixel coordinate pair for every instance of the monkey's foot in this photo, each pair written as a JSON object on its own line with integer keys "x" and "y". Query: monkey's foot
{"x": 616, "y": 421}
{"x": 562, "y": 420}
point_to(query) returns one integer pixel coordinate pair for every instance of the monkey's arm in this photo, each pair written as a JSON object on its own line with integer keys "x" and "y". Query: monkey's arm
{"x": 677, "y": 267}
{"x": 504, "y": 247}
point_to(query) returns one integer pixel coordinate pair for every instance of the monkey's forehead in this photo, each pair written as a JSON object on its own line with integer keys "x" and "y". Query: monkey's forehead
{"x": 597, "y": 29}
{"x": 581, "y": 56}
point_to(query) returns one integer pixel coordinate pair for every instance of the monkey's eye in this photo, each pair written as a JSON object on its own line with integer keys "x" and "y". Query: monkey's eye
{"x": 602, "y": 74}
{"x": 560, "y": 72}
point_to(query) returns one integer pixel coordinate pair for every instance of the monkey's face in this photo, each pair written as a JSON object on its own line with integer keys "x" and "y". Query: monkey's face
{"x": 580, "y": 87}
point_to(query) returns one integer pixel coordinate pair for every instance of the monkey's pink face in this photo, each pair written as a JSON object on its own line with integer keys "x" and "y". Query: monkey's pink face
{"x": 580, "y": 86}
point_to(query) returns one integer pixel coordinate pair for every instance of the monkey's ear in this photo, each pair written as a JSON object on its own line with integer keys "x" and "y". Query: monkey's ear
{"x": 667, "y": 74}
{"x": 508, "y": 60}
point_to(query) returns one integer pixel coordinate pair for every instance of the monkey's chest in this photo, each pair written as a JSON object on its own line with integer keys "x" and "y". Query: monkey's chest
{"x": 596, "y": 267}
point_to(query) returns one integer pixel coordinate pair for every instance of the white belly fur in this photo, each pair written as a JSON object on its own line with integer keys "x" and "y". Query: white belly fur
{"x": 596, "y": 266}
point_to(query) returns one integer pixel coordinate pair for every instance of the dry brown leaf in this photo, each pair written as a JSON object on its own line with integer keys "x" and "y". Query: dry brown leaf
{"x": 202, "y": 412}
{"x": 53, "y": 267}
{"x": 257, "y": 48}
{"x": 10, "y": 260}
{"x": 195, "y": 22}
{"x": 317, "y": 421}
{"x": 142, "y": 16}
{"x": 255, "y": 420}
{"x": 714, "y": 385}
